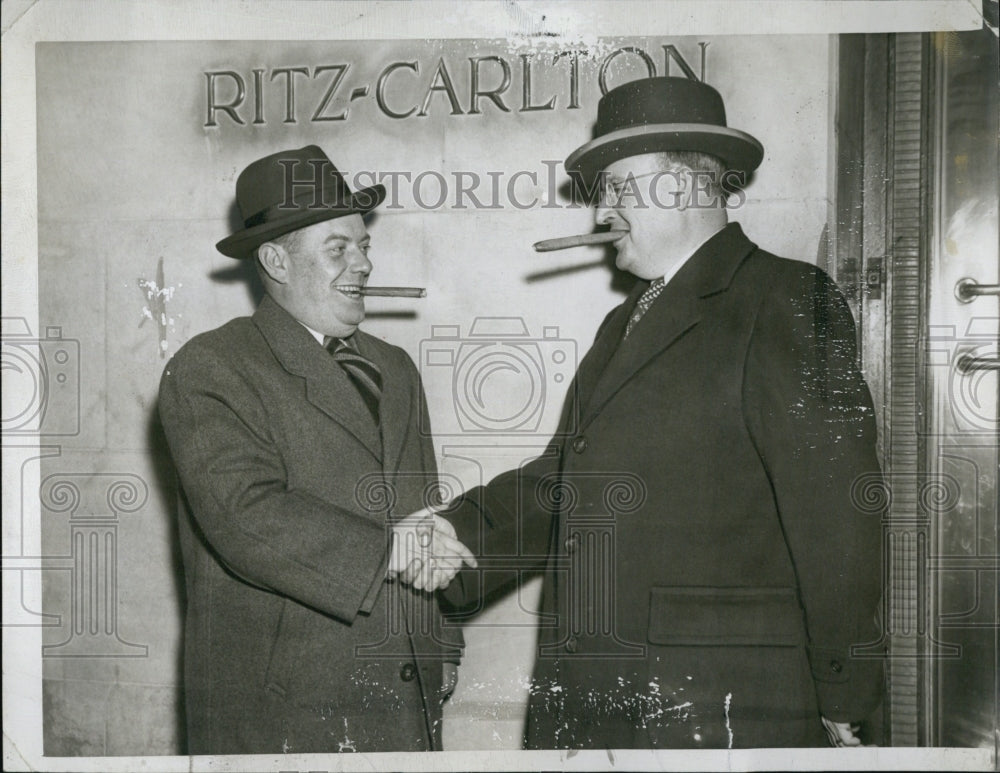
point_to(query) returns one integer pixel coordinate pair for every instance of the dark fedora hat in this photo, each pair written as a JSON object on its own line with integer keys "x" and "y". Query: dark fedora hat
{"x": 290, "y": 190}
{"x": 651, "y": 115}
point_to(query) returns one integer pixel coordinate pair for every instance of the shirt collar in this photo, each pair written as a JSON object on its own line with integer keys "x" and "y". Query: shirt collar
{"x": 324, "y": 341}
{"x": 315, "y": 334}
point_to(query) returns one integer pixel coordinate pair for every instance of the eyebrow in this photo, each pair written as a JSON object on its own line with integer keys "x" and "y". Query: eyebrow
{"x": 345, "y": 238}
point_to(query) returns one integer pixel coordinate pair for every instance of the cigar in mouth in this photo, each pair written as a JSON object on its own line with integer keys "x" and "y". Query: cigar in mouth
{"x": 395, "y": 292}
{"x": 565, "y": 242}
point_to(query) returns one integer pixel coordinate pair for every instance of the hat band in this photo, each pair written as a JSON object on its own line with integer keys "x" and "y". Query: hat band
{"x": 701, "y": 131}
{"x": 284, "y": 210}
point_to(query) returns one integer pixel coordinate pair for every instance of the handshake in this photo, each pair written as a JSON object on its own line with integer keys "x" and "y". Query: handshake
{"x": 426, "y": 553}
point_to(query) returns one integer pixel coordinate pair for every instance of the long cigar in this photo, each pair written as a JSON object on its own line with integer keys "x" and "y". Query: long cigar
{"x": 395, "y": 292}
{"x": 565, "y": 242}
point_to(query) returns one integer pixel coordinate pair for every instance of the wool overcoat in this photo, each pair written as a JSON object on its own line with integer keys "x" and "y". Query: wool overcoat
{"x": 708, "y": 559}
{"x": 294, "y": 640}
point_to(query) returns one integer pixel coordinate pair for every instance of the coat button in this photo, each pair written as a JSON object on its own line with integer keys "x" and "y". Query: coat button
{"x": 580, "y": 444}
{"x": 571, "y": 644}
{"x": 572, "y": 543}
{"x": 408, "y": 672}
{"x": 835, "y": 666}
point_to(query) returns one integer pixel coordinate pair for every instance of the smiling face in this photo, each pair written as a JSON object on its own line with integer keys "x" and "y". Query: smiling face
{"x": 316, "y": 276}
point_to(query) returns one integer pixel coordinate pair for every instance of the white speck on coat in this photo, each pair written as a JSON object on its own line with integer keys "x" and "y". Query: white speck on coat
{"x": 347, "y": 745}
{"x": 729, "y": 729}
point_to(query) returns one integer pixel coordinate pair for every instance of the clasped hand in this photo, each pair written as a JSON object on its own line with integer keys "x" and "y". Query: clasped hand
{"x": 426, "y": 553}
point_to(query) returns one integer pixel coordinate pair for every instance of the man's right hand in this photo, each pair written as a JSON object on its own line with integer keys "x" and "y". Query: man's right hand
{"x": 842, "y": 733}
{"x": 426, "y": 553}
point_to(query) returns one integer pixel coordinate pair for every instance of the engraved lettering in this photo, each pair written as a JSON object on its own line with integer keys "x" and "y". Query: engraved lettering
{"x": 380, "y": 84}
{"x": 574, "y": 76}
{"x": 526, "y": 105}
{"x": 441, "y": 82}
{"x": 258, "y": 96}
{"x": 670, "y": 52}
{"x": 475, "y": 93}
{"x": 230, "y": 107}
{"x": 340, "y": 71}
{"x": 289, "y": 73}
{"x": 602, "y": 74}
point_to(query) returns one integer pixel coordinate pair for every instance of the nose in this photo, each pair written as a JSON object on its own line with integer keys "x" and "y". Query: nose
{"x": 360, "y": 263}
{"x": 603, "y": 214}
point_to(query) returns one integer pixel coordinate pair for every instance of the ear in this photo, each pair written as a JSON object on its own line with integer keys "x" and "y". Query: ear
{"x": 273, "y": 259}
{"x": 685, "y": 188}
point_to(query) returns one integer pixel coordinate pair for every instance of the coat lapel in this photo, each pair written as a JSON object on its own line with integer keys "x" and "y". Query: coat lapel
{"x": 676, "y": 311}
{"x": 328, "y": 386}
{"x": 605, "y": 345}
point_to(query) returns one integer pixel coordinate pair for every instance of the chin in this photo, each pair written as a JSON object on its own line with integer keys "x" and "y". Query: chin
{"x": 623, "y": 263}
{"x": 350, "y": 315}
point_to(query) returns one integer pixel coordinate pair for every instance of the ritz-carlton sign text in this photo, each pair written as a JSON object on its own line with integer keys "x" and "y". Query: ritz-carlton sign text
{"x": 524, "y": 82}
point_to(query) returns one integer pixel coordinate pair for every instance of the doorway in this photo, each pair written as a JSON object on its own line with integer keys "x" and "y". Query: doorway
{"x": 914, "y": 245}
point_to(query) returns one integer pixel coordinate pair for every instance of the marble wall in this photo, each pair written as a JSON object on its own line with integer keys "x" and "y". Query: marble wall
{"x": 134, "y": 190}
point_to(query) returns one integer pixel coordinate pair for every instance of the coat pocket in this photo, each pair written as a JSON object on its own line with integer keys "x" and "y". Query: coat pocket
{"x": 712, "y": 616}
{"x": 275, "y": 677}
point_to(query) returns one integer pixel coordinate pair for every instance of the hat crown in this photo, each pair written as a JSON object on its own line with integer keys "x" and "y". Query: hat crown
{"x": 663, "y": 100}
{"x": 305, "y": 177}
{"x": 289, "y": 190}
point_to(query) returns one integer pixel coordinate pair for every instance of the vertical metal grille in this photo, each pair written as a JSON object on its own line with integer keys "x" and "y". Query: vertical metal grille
{"x": 907, "y": 529}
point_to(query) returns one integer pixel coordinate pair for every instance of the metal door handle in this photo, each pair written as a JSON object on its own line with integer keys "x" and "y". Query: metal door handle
{"x": 967, "y": 363}
{"x": 967, "y": 290}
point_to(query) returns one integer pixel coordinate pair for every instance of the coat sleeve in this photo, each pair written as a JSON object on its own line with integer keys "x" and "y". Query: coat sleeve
{"x": 810, "y": 414}
{"x": 504, "y": 524}
{"x": 234, "y": 478}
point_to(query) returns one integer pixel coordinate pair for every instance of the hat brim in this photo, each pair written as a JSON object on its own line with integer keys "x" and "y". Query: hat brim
{"x": 738, "y": 150}
{"x": 243, "y": 243}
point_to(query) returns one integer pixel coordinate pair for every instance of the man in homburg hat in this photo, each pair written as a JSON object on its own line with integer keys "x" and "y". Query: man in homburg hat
{"x": 296, "y": 440}
{"x": 706, "y": 569}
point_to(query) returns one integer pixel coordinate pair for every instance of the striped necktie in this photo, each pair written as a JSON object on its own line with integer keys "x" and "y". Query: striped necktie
{"x": 363, "y": 372}
{"x": 645, "y": 301}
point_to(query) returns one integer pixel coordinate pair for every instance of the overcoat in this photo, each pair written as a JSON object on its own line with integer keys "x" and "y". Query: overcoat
{"x": 294, "y": 640}
{"x": 708, "y": 562}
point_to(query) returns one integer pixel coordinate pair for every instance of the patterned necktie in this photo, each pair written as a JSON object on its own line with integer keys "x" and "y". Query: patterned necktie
{"x": 645, "y": 301}
{"x": 363, "y": 372}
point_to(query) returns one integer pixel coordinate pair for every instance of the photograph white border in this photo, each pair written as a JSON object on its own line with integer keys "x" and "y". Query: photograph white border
{"x": 25, "y": 23}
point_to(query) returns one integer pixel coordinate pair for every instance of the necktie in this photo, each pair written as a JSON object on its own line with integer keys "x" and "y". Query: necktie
{"x": 645, "y": 301}
{"x": 363, "y": 372}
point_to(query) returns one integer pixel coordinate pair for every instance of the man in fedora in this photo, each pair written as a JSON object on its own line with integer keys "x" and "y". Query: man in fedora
{"x": 706, "y": 568}
{"x": 296, "y": 441}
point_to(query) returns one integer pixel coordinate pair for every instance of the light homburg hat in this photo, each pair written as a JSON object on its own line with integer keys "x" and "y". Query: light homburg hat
{"x": 652, "y": 115}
